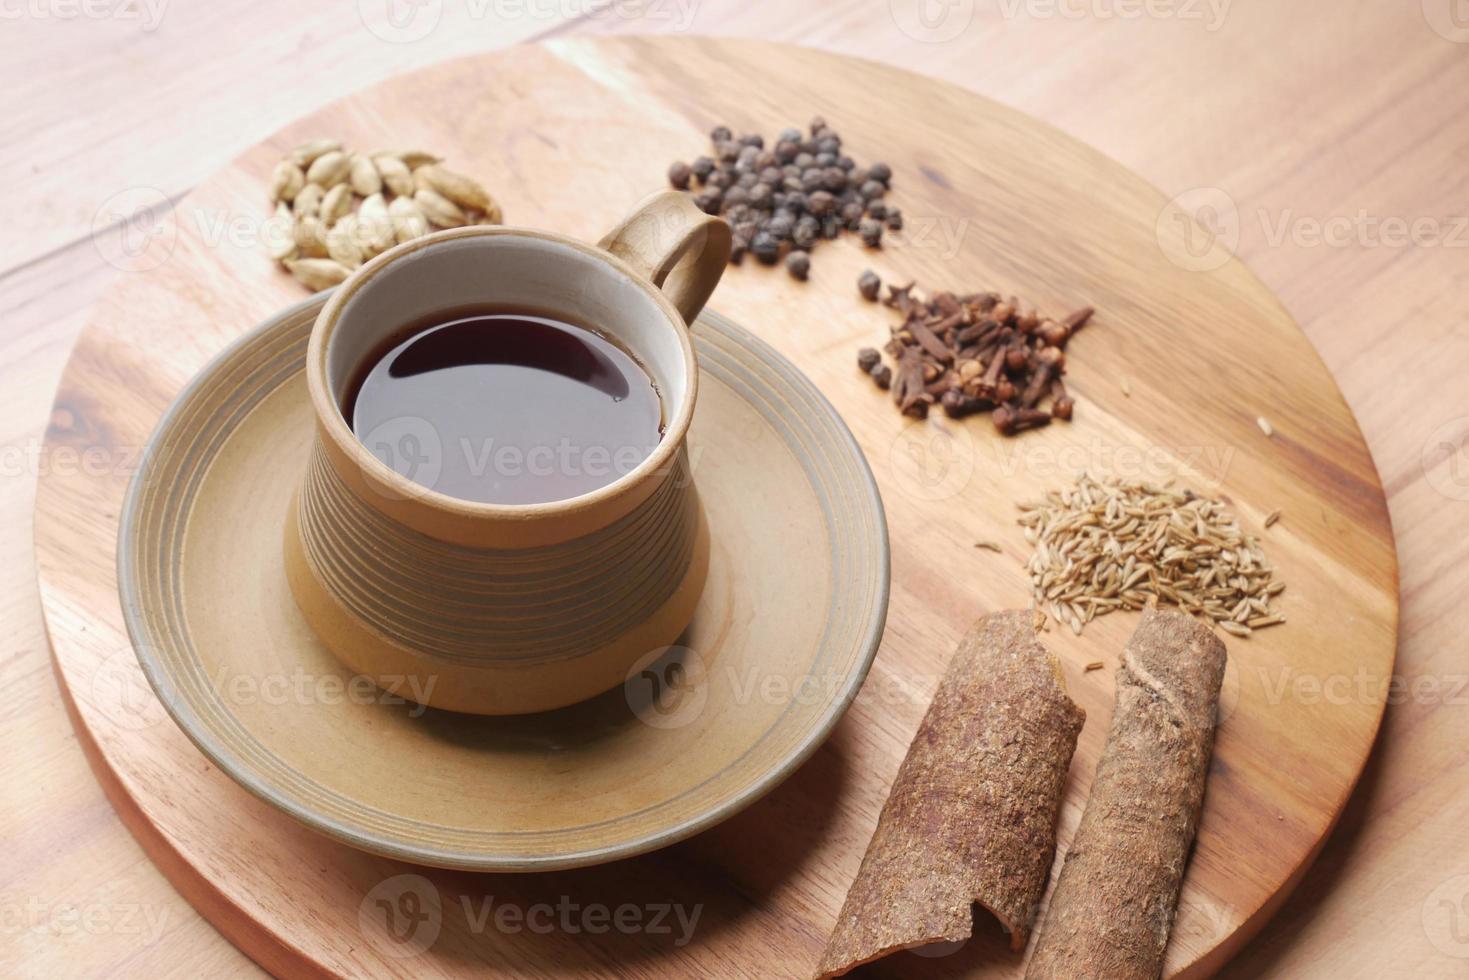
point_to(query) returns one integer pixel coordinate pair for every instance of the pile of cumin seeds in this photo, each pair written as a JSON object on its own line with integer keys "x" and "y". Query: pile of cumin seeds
{"x": 1108, "y": 544}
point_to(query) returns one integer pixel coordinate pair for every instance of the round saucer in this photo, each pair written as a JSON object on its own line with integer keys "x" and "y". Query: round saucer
{"x": 782, "y": 639}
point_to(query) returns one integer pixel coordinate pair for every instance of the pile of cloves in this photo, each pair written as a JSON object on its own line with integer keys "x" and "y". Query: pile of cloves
{"x": 782, "y": 200}
{"x": 975, "y": 353}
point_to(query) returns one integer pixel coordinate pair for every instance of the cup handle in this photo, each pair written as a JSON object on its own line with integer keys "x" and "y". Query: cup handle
{"x": 677, "y": 247}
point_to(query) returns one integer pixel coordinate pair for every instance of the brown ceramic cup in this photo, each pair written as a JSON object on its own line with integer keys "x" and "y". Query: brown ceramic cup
{"x": 504, "y": 609}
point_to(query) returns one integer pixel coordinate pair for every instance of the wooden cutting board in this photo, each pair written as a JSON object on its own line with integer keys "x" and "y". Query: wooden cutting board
{"x": 568, "y": 136}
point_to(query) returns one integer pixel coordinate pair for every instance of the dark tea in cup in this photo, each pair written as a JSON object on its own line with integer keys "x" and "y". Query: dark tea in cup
{"x": 505, "y": 406}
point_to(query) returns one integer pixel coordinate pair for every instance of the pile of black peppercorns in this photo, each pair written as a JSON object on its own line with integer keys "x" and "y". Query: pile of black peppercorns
{"x": 782, "y": 201}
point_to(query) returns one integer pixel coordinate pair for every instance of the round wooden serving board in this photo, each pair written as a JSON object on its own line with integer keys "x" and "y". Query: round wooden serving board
{"x": 568, "y": 136}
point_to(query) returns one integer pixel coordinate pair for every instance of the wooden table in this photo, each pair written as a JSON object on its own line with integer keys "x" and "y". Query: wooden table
{"x": 1331, "y": 133}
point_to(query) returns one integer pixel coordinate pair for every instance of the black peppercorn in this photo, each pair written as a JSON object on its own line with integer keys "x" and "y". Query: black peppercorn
{"x": 807, "y": 232}
{"x": 766, "y": 247}
{"x": 895, "y": 219}
{"x": 883, "y": 376}
{"x": 787, "y": 198}
{"x": 821, "y": 203}
{"x": 709, "y": 200}
{"x": 869, "y": 285}
{"x": 868, "y": 358}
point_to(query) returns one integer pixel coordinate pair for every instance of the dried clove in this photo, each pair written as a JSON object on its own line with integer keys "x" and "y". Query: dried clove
{"x": 975, "y": 353}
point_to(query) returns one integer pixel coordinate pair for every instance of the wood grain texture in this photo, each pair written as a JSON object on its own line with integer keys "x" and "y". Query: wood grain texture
{"x": 1285, "y": 765}
{"x": 1305, "y": 109}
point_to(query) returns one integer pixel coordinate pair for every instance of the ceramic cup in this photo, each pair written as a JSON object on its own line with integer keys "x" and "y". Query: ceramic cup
{"x": 499, "y": 609}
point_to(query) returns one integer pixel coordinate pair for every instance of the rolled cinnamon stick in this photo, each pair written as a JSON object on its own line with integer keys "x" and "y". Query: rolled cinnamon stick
{"x": 1113, "y": 907}
{"x": 972, "y": 813}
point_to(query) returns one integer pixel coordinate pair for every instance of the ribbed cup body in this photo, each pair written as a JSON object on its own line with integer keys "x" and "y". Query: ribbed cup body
{"x": 499, "y": 630}
{"x": 472, "y": 605}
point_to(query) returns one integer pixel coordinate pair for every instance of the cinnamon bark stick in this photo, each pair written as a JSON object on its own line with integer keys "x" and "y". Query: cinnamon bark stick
{"x": 1113, "y": 906}
{"x": 972, "y": 813}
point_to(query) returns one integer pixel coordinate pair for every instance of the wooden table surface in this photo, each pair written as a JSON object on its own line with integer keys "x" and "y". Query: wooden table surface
{"x": 1324, "y": 141}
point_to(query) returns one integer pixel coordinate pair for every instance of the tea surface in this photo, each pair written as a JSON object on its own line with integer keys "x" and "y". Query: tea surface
{"x": 506, "y": 408}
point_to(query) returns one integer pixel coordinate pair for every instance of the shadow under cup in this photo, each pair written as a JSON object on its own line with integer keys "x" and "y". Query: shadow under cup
{"x": 495, "y": 609}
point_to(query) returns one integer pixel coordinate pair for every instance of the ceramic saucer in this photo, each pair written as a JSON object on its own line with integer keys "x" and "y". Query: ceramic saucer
{"x": 783, "y": 637}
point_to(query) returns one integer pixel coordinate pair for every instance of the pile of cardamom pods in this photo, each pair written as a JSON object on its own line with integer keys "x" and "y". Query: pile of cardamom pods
{"x": 336, "y": 209}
